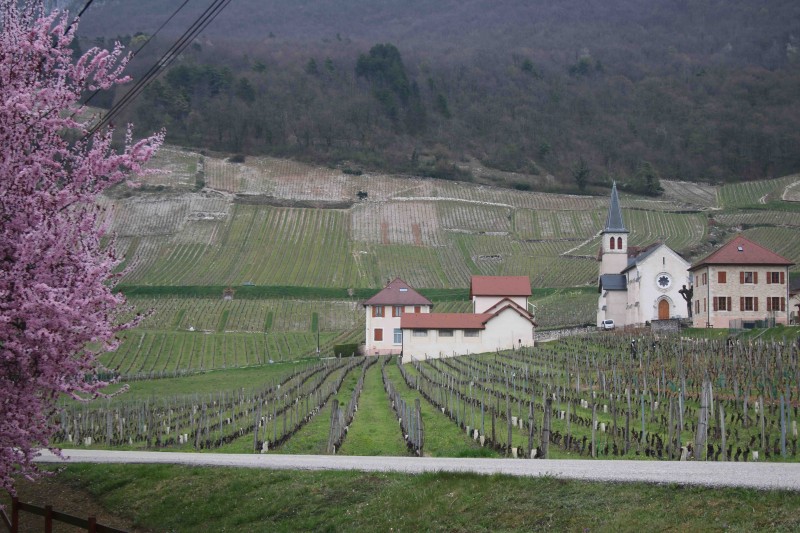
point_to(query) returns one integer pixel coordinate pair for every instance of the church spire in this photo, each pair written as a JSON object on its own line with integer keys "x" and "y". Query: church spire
{"x": 614, "y": 223}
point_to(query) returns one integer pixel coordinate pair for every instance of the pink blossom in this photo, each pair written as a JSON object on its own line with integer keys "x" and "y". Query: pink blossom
{"x": 56, "y": 278}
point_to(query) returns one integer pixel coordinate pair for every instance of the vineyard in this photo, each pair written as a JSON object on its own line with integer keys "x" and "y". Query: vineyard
{"x": 252, "y": 223}
{"x": 602, "y": 395}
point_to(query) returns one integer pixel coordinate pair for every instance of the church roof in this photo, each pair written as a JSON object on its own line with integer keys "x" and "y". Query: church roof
{"x": 644, "y": 253}
{"x": 614, "y": 223}
{"x": 398, "y": 292}
{"x": 613, "y": 282}
{"x": 742, "y": 251}
{"x": 444, "y": 320}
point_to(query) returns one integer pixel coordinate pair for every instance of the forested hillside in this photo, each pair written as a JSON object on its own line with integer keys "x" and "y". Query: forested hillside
{"x": 583, "y": 90}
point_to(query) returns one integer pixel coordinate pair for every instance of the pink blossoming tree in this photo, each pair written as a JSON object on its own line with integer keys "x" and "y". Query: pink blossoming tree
{"x": 57, "y": 310}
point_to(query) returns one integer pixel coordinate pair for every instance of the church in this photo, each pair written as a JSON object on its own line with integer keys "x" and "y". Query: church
{"x": 638, "y": 285}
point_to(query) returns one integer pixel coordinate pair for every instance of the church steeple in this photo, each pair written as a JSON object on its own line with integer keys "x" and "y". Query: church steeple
{"x": 614, "y": 223}
{"x": 615, "y": 238}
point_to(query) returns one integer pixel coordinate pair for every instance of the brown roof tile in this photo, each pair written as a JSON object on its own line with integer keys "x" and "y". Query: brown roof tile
{"x": 398, "y": 292}
{"x": 742, "y": 251}
{"x": 444, "y": 320}
{"x": 500, "y": 286}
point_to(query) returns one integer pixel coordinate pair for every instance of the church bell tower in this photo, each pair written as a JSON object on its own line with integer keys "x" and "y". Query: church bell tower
{"x": 614, "y": 252}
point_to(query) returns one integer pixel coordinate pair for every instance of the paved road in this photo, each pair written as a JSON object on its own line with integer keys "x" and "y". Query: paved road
{"x": 754, "y": 475}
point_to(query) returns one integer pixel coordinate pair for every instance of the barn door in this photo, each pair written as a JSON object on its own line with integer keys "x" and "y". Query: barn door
{"x": 663, "y": 310}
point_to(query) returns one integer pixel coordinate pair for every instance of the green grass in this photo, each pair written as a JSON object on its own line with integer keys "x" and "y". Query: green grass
{"x": 180, "y": 498}
{"x": 206, "y": 383}
{"x": 375, "y": 430}
{"x": 443, "y": 438}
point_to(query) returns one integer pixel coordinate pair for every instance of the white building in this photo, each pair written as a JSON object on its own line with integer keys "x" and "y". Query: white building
{"x": 501, "y": 322}
{"x": 384, "y": 310}
{"x": 638, "y": 285}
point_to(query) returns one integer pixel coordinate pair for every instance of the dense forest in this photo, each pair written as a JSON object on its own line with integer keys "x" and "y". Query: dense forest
{"x": 586, "y": 91}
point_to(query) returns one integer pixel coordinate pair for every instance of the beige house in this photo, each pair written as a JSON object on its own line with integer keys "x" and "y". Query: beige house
{"x": 740, "y": 283}
{"x": 501, "y": 322}
{"x": 384, "y": 311}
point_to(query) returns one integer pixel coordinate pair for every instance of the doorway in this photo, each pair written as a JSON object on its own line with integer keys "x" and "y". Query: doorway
{"x": 663, "y": 310}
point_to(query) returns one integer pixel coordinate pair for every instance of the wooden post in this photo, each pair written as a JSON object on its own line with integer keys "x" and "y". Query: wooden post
{"x": 508, "y": 419}
{"x": 14, "y": 514}
{"x": 48, "y": 519}
{"x": 92, "y": 527}
{"x": 594, "y": 430}
{"x": 763, "y": 432}
{"x": 420, "y": 430}
{"x": 722, "y": 429}
{"x": 548, "y": 407}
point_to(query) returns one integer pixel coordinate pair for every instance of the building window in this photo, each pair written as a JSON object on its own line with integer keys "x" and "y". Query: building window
{"x": 619, "y": 243}
{"x": 749, "y": 303}
{"x": 445, "y": 332}
{"x": 420, "y": 333}
{"x": 417, "y": 309}
{"x": 722, "y": 303}
{"x": 377, "y": 310}
{"x": 378, "y": 334}
{"x": 697, "y": 306}
{"x": 775, "y": 277}
{"x": 776, "y": 303}
{"x": 397, "y": 310}
{"x": 398, "y": 336}
{"x": 748, "y": 277}
{"x": 722, "y": 277}
{"x": 704, "y": 305}
{"x": 705, "y": 278}
{"x": 613, "y": 243}
{"x": 472, "y": 332}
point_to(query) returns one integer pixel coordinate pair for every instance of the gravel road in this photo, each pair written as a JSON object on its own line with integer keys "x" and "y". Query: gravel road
{"x": 784, "y": 476}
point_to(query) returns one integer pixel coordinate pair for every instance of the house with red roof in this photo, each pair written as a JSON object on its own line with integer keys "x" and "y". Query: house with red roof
{"x": 384, "y": 335}
{"x": 740, "y": 283}
{"x": 401, "y": 321}
{"x": 486, "y": 291}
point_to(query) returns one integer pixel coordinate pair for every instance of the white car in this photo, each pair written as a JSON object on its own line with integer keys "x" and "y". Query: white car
{"x": 607, "y": 324}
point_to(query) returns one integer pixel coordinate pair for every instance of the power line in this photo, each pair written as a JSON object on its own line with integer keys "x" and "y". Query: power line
{"x": 210, "y": 13}
{"x": 147, "y": 41}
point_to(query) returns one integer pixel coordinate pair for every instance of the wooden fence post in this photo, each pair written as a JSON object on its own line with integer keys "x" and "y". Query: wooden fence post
{"x": 48, "y": 519}
{"x": 14, "y": 515}
{"x": 548, "y": 407}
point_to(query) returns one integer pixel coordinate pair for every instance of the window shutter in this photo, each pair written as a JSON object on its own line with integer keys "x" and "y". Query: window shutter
{"x": 741, "y": 277}
{"x": 378, "y": 334}
{"x": 783, "y": 277}
{"x": 769, "y": 303}
{"x": 769, "y": 278}
{"x": 783, "y": 302}
{"x": 716, "y": 303}
{"x": 729, "y": 304}
{"x": 755, "y": 277}
{"x": 373, "y": 312}
{"x": 741, "y": 303}
{"x": 755, "y": 303}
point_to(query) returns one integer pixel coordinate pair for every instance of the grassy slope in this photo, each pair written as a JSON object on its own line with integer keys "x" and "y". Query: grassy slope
{"x": 175, "y": 498}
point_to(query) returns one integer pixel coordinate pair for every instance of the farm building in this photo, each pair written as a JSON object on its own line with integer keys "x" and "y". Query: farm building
{"x": 400, "y": 321}
{"x": 638, "y": 284}
{"x": 501, "y": 321}
{"x": 739, "y": 285}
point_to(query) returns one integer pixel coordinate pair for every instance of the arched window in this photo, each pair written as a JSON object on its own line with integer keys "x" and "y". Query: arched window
{"x": 613, "y": 243}
{"x": 619, "y": 243}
